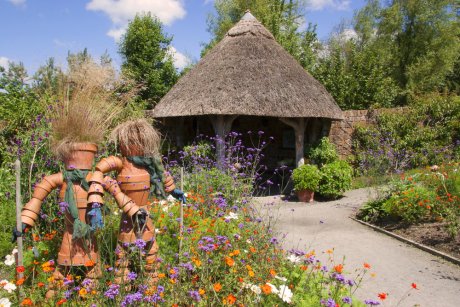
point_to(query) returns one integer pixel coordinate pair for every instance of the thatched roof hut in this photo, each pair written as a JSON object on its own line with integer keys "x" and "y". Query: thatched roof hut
{"x": 249, "y": 73}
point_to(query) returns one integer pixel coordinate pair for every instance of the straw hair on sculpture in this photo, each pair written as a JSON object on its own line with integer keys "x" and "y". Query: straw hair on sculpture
{"x": 87, "y": 106}
{"x": 137, "y": 138}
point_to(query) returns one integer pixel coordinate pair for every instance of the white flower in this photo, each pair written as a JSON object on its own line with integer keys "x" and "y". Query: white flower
{"x": 294, "y": 258}
{"x": 248, "y": 241}
{"x": 285, "y": 294}
{"x": 274, "y": 289}
{"x": 4, "y": 302}
{"x": 281, "y": 278}
{"x": 256, "y": 289}
{"x": 10, "y": 260}
{"x": 15, "y": 251}
{"x": 9, "y": 287}
{"x": 231, "y": 216}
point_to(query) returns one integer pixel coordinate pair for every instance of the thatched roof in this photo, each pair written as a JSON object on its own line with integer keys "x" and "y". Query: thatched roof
{"x": 248, "y": 73}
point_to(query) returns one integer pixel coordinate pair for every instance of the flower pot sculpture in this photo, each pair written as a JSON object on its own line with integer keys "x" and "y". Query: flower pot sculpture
{"x": 140, "y": 176}
{"x": 78, "y": 247}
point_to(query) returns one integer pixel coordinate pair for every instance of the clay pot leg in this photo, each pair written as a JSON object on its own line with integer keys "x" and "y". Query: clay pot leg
{"x": 121, "y": 266}
{"x": 58, "y": 278}
{"x": 152, "y": 265}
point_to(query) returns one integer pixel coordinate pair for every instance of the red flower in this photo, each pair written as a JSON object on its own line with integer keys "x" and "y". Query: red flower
{"x": 414, "y": 285}
{"x": 20, "y": 269}
{"x": 382, "y": 296}
{"x": 366, "y": 265}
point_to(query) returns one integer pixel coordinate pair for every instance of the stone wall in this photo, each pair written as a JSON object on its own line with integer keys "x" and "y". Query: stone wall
{"x": 341, "y": 132}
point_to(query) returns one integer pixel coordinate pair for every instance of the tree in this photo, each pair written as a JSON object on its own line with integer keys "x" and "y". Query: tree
{"x": 283, "y": 18}
{"x": 47, "y": 78}
{"x": 145, "y": 50}
{"x": 424, "y": 40}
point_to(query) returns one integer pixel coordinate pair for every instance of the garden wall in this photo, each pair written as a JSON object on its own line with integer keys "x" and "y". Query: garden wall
{"x": 341, "y": 133}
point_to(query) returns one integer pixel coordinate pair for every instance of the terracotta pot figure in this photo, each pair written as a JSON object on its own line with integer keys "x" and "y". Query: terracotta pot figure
{"x": 78, "y": 247}
{"x": 140, "y": 177}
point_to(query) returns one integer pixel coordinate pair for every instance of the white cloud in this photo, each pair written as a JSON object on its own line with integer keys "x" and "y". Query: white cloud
{"x": 4, "y": 62}
{"x": 20, "y": 3}
{"x": 317, "y": 5}
{"x": 180, "y": 60}
{"x": 122, "y": 11}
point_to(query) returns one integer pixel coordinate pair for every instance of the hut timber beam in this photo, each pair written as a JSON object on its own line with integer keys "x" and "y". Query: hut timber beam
{"x": 222, "y": 125}
{"x": 299, "y": 125}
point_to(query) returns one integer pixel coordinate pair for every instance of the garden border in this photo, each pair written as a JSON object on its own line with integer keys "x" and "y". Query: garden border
{"x": 410, "y": 242}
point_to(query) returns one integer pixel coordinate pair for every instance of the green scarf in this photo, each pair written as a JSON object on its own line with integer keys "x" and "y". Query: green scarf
{"x": 80, "y": 228}
{"x": 155, "y": 169}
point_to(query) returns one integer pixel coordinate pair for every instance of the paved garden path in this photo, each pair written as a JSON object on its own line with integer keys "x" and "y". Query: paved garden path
{"x": 321, "y": 226}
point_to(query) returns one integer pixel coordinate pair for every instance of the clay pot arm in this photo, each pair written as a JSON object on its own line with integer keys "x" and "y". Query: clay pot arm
{"x": 30, "y": 211}
{"x": 124, "y": 202}
{"x": 109, "y": 164}
{"x": 168, "y": 182}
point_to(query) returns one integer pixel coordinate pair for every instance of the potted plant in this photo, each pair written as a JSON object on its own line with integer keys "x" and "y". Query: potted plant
{"x": 306, "y": 180}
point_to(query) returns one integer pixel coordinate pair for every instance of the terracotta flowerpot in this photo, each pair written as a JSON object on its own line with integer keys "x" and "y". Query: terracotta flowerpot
{"x": 305, "y": 196}
{"x": 82, "y": 156}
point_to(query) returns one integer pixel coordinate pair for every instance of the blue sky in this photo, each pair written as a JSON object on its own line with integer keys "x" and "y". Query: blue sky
{"x": 33, "y": 30}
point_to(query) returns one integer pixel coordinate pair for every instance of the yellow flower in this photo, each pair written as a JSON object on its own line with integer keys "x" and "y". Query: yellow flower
{"x": 201, "y": 291}
{"x": 82, "y": 292}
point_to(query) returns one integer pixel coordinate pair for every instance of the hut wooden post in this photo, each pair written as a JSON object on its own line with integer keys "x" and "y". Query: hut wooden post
{"x": 222, "y": 125}
{"x": 299, "y": 125}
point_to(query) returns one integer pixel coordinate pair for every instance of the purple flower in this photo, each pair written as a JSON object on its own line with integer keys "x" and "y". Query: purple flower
{"x": 195, "y": 295}
{"x": 329, "y": 303}
{"x": 112, "y": 292}
{"x": 347, "y": 300}
{"x": 132, "y": 299}
{"x": 371, "y": 302}
{"x": 131, "y": 276}
{"x": 274, "y": 240}
{"x": 140, "y": 244}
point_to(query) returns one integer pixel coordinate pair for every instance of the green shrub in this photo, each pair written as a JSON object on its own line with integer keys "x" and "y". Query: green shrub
{"x": 324, "y": 153}
{"x": 425, "y": 133}
{"x": 306, "y": 177}
{"x": 335, "y": 179}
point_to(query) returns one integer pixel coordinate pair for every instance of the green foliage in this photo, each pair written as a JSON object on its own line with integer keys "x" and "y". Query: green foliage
{"x": 146, "y": 53}
{"x": 425, "y": 196}
{"x": 8, "y": 212}
{"x": 336, "y": 178}
{"x": 306, "y": 177}
{"x": 324, "y": 153}
{"x": 423, "y": 134}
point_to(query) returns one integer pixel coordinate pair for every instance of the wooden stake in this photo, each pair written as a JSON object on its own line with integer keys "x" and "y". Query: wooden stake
{"x": 181, "y": 224}
{"x": 17, "y": 166}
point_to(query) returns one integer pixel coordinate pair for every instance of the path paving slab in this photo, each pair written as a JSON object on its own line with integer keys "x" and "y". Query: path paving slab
{"x": 322, "y": 226}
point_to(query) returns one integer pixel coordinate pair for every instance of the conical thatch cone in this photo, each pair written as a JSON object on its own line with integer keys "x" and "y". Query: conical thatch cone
{"x": 248, "y": 73}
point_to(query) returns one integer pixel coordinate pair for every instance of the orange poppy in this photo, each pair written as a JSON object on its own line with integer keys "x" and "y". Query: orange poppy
{"x": 217, "y": 287}
{"x": 266, "y": 289}
{"x": 366, "y": 265}
{"x": 338, "y": 268}
{"x": 229, "y": 261}
{"x": 231, "y": 299}
{"x": 27, "y": 302}
{"x": 382, "y": 296}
